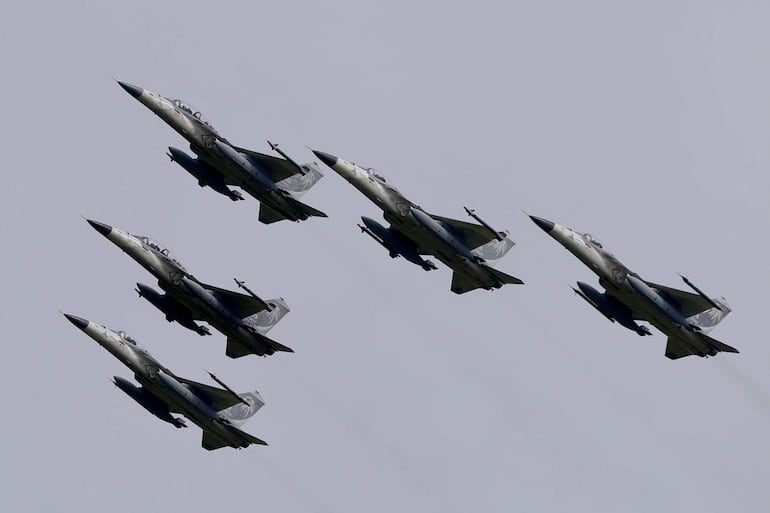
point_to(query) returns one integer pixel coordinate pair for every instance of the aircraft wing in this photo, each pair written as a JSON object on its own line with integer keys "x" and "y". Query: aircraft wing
{"x": 240, "y": 304}
{"x": 689, "y": 304}
{"x": 474, "y": 235}
{"x": 211, "y": 442}
{"x": 278, "y": 168}
{"x": 217, "y": 398}
{"x": 676, "y": 349}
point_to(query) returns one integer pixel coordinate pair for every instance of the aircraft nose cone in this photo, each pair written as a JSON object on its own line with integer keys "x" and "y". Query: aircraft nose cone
{"x": 133, "y": 90}
{"x": 545, "y": 224}
{"x": 102, "y": 228}
{"x": 329, "y": 160}
{"x": 77, "y": 321}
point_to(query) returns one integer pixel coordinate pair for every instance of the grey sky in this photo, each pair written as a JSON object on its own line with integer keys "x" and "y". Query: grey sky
{"x": 644, "y": 123}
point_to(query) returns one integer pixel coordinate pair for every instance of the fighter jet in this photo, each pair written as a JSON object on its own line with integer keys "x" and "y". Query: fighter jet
{"x": 277, "y": 183}
{"x": 220, "y": 412}
{"x": 468, "y": 249}
{"x": 684, "y": 317}
{"x": 244, "y": 319}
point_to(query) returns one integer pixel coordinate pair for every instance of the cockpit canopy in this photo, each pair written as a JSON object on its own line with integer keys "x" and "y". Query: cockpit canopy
{"x": 125, "y": 336}
{"x": 181, "y": 104}
{"x": 377, "y": 176}
{"x": 589, "y": 239}
{"x": 596, "y": 244}
{"x": 157, "y": 247}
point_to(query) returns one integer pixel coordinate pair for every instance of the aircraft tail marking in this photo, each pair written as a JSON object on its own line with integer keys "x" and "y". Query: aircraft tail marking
{"x": 239, "y": 413}
{"x": 708, "y": 319}
{"x": 298, "y": 184}
{"x": 263, "y": 321}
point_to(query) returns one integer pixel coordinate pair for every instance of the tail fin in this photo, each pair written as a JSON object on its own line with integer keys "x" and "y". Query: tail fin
{"x": 708, "y": 319}
{"x": 298, "y": 184}
{"x": 263, "y": 321}
{"x": 238, "y": 414}
{"x": 495, "y": 249}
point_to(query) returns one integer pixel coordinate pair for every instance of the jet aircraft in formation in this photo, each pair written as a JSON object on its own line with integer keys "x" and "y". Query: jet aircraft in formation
{"x": 220, "y": 412}
{"x": 685, "y": 317}
{"x": 244, "y": 319}
{"x": 277, "y": 183}
{"x": 470, "y": 250}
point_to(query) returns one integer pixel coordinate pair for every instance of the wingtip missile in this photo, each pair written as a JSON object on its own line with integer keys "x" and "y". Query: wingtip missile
{"x": 283, "y": 154}
{"x": 242, "y": 285}
{"x": 230, "y": 390}
{"x": 471, "y": 212}
{"x": 591, "y": 302}
{"x": 701, "y": 293}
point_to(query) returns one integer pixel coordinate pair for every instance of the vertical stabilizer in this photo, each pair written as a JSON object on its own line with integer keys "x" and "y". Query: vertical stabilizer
{"x": 708, "y": 319}
{"x": 298, "y": 184}
{"x": 495, "y": 249}
{"x": 263, "y": 321}
{"x": 239, "y": 413}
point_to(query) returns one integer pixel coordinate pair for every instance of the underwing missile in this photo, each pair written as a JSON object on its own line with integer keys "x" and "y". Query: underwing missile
{"x": 210, "y": 300}
{"x": 655, "y": 299}
{"x": 242, "y": 285}
{"x": 173, "y": 313}
{"x": 393, "y": 244}
{"x": 471, "y": 212}
{"x": 230, "y": 390}
{"x": 702, "y": 294}
{"x": 439, "y": 231}
{"x": 370, "y": 233}
{"x": 275, "y": 148}
{"x": 148, "y": 401}
{"x": 204, "y": 173}
{"x": 592, "y": 303}
{"x": 607, "y": 308}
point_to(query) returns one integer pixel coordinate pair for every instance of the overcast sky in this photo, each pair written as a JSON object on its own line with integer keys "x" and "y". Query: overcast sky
{"x": 644, "y": 123}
